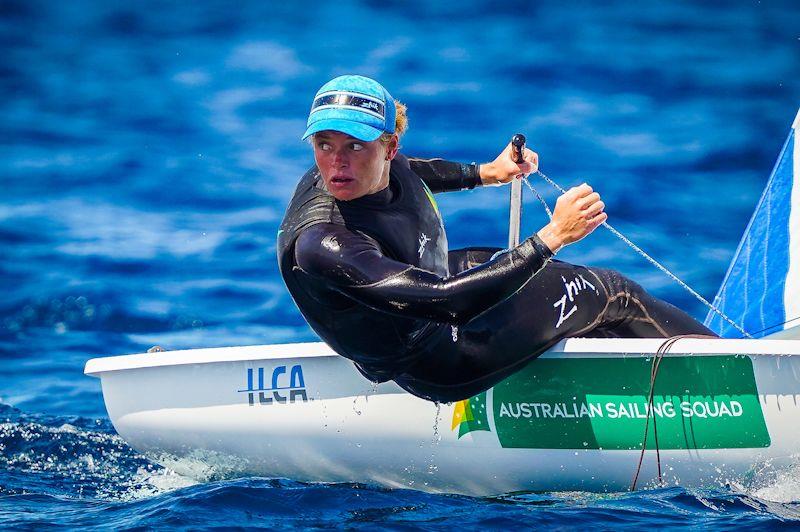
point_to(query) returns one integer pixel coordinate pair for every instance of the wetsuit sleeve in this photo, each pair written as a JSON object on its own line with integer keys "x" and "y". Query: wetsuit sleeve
{"x": 353, "y": 264}
{"x": 444, "y": 176}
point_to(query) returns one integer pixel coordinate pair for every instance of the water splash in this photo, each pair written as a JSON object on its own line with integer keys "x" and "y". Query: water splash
{"x": 76, "y": 457}
{"x": 437, "y": 438}
{"x": 781, "y": 485}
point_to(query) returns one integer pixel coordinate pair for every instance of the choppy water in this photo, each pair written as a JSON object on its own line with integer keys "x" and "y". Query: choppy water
{"x": 147, "y": 152}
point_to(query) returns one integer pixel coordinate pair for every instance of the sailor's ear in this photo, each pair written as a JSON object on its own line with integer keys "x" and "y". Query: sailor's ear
{"x": 391, "y": 147}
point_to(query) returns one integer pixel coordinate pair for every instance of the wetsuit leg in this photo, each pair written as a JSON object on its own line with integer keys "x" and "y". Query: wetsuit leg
{"x": 562, "y": 300}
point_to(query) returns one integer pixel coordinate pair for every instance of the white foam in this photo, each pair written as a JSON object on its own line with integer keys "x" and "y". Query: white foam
{"x": 148, "y": 483}
{"x": 202, "y": 465}
{"x": 769, "y": 483}
{"x": 785, "y": 488}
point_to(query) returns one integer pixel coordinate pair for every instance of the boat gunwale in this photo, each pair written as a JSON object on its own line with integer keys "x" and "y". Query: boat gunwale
{"x": 571, "y": 347}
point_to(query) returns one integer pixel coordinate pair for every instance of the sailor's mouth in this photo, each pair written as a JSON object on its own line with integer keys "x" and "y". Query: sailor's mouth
{"x": 341, "y": 180}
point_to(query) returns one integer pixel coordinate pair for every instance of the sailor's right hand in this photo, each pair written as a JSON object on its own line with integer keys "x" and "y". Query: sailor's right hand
{"x": 504, "y": 170}
{"x": 578, "y": 212}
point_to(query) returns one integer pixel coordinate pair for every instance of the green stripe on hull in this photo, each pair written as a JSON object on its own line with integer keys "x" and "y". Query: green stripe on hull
{"x": 700, "y": 402}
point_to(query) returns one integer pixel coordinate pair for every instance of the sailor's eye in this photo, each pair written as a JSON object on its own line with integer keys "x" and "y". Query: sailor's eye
{"x": 357, "y": 147}
{"x": 324, "y": 146}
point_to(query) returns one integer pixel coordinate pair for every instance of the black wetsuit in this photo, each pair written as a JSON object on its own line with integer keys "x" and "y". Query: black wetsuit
{"x": 374, "y": 278}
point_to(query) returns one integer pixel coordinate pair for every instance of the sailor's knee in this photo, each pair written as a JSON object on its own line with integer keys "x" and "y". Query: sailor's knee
{"x": 619, "y": 285}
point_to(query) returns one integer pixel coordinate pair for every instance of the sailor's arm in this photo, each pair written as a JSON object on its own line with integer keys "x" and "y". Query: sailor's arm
{"x": 354, "y": 265}
{"x": 443, "y": 176}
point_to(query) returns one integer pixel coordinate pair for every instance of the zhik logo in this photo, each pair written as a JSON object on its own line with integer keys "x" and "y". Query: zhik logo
{"x": 423, "y": 239}
{"x": 370, "y": 105}
{"x": 296, "y": 388}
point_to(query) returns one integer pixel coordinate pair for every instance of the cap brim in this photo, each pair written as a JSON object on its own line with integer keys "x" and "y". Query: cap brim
{"x": 354, "y": 129}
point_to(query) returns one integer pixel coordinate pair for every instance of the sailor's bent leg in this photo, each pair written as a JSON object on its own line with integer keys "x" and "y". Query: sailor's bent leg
{"x": 633, "y": 313}
{"x": 562, "y": 300}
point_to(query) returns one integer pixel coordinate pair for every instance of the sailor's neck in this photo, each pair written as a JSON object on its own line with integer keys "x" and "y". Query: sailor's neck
{"x": 382, "y": 197}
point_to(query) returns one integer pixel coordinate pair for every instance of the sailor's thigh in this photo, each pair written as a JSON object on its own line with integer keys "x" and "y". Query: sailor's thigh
{"x": 561, "y": 300}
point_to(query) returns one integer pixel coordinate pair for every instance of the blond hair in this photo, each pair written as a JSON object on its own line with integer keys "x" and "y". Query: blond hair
{"x": 400, "y": 121}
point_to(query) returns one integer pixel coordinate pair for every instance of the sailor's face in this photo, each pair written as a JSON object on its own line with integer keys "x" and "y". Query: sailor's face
{"x": 352, "y": 168}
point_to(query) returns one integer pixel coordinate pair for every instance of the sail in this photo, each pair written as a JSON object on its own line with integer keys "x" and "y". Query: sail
{"x": 761, "y": 291}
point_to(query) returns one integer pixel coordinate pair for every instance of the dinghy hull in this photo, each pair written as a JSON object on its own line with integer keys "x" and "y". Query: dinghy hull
{"x": 574, "y": 419}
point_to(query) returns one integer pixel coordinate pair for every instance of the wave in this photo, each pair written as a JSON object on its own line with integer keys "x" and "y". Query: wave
{"x": 75, "y": 471}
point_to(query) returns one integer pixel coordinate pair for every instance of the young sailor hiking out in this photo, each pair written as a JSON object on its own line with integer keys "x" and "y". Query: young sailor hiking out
{"x": 590, "y": 414}
{"x": 364, "y": 254}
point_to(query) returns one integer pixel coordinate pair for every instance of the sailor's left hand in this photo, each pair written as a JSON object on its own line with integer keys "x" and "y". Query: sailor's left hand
{"x": 504, "y": 170}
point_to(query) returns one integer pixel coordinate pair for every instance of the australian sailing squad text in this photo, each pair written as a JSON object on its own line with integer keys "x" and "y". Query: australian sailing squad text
{"x": 621, "y": 410}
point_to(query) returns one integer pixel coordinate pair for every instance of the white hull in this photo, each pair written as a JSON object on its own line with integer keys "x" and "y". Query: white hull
{"x": 340, "y": 428}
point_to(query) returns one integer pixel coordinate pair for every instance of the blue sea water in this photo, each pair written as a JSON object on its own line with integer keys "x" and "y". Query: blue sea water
{"x": 148, "y": 149}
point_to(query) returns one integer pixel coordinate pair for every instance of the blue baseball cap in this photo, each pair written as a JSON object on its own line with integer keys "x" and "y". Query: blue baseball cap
{"x": 355, "y": 105}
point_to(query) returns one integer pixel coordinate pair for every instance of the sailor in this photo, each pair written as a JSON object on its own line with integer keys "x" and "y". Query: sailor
{"x": 364, "y": 254}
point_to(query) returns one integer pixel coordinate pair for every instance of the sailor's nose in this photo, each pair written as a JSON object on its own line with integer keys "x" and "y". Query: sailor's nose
{"x": 340, "y": 158}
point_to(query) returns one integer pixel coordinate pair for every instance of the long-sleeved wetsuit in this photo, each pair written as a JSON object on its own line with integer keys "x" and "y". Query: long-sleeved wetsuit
{"x": 374, "y": 279}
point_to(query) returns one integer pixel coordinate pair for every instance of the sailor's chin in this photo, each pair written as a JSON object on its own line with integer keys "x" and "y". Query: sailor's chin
{"x": 343, "y": 190}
